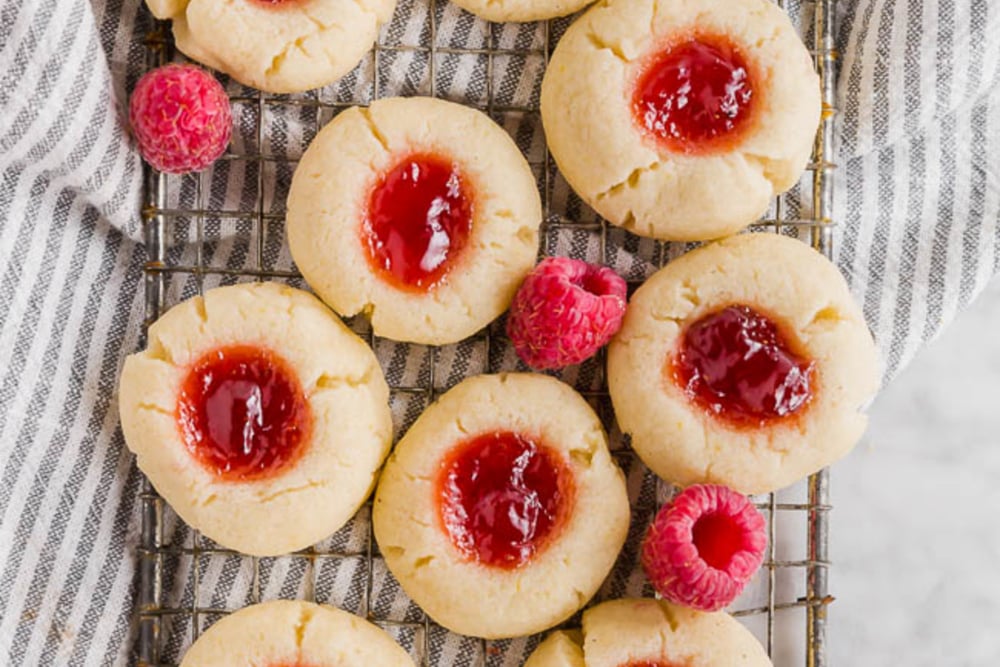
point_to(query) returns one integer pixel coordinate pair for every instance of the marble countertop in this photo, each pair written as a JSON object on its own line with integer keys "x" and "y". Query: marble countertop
{"x": 915, "y": 533}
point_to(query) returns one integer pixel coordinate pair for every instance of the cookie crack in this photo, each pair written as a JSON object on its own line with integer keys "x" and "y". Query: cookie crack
{"x": 394, "y": 551}
{"x": 689, "y": 293}
{"x": 267, "y": 498}
{"x": 664, "y": 317}
{"x": 826, "y": 316}
{"x": 423, "y": 562}
{"x": 598, "y": 43}
{"x": 628, "y": 222}
{"x": 668, "y": 616}
{"x": 377, "y": 133}
{"x": 420, "y": 522}
{"x": 630, "y": 182}
{"x": 153, "y": 407}
{"x": 769, "y": 167}
{"x": 305, "y": 616}
{"x": 331, "y": 381}
{"x": 413, "y": 477}
{"x": 157, "y": 351}
{"x": 298, "y": 44}
{"x": 279, "y": 58}
{"x": 321, "y": 27}
{"x": 584, "y": 456}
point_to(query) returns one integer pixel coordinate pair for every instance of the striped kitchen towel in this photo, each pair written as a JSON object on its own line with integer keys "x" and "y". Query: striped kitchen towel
{"x": 919, "y": 194}
{"x": 918, "y": 199}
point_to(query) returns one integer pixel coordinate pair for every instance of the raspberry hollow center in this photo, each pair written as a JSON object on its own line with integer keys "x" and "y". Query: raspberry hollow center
{"x": 738, "y": 364}
{"x": 695, "y": 96}
{"x": 717, "y": 537}
{"x": 242, "y": 413}
{"x": 418, "y": 221}
{"x": 502, "y": 498}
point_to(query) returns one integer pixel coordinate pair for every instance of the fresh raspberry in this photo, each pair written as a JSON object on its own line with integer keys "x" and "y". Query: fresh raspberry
{"x": 704, "y": 546}
{"x": 565, "y": 311}
{"x": 181, "y": 117}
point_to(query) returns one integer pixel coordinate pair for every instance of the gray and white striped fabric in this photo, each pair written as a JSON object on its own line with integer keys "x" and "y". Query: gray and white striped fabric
{"x": 918, "y": 200}
{"x": 920, "y": 192}
{"x": 68, "y": 308}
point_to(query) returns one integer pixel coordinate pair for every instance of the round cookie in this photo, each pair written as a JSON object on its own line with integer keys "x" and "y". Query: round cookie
{"x": 421, "y": 213}
{"x": 562, "y": 648}
{"x": 286, "y": 633}
{"x": 681, "y": 119}
{"x": 745, "y": 363}
{"x": 501, "y": 511}
{"x": 258, "y": 416}
{"x": 628, "y": 632}
{"x": 511, "y": 11}
{"x": 280, "y": 46}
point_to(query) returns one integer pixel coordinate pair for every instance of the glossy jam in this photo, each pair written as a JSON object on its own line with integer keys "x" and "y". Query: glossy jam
{"x": 696, "y": 96}
{"x": 418, "y": 221}
{"x": 717, "y": 537}
{"x": 653, "y": 663}
{"x": 242, "y": 413}
{"x": 503, "y": 498}
{"x": 737, "y": 364}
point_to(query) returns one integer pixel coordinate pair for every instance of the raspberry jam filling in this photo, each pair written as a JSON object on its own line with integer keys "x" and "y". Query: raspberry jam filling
{"x": 737, "y": 364}
{"x": 242, "y": 413}
{"x": 418, "y": 221}
{"x": 502, "y": 498}
{"x": 696, "y": 96}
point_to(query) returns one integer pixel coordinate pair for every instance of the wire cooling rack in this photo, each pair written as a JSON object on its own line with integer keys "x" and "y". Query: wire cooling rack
{"x": 199, "y": 235}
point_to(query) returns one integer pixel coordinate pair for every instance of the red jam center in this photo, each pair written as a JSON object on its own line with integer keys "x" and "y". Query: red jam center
{"x": 737, "y": 364}
{"x": 419, "y": 220}
{"x": 651, "y": 663}
{"x": 695, "y": 96}
{"x": 242, "y": 413}
{"x": 717, "y": 538}
{"x": 503, "y": 498}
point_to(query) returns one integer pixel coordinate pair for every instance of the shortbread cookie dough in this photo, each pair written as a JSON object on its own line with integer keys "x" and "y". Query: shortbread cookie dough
{"x": 746, "y": 363}
{"x": 280, "y": 46}
{"x": 258, "y": 416}
{"x": 420, "y": 213}
{"x": 504, "y": 11}
{"x": 681, "y": 119}
{"x": 501, "y": 511}
{"x": 293, "y": 633}
{"x": 652, "y": 633}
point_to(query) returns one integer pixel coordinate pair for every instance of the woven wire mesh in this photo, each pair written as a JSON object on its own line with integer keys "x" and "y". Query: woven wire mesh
{"x": 199, "y": 235}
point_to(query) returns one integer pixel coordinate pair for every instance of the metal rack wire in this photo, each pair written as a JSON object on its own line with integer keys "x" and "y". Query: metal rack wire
{"x": 175, "y": 600}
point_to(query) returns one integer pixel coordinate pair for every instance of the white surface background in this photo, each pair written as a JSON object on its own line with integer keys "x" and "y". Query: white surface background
{"x": 916, "y": 521}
